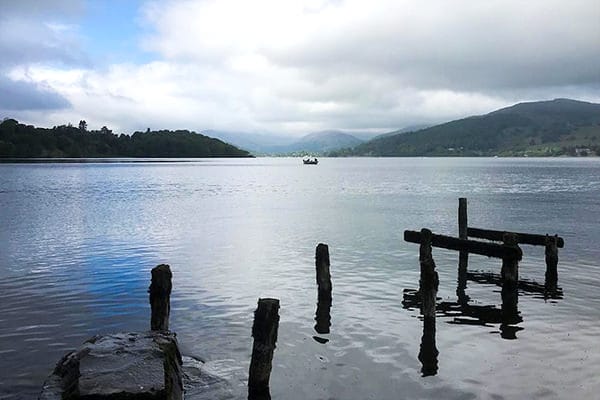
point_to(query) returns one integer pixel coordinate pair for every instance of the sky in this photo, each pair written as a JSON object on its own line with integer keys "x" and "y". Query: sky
{"x": 290, "y": 67}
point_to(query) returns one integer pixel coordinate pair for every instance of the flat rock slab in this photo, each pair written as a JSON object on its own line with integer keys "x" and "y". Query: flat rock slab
{"x": 122, "y": 366}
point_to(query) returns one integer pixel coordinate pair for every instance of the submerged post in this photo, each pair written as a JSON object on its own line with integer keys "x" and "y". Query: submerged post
{"x": 551, "y": 263}
{"x": 264, "y": 332}
{"x": 160, "y": 292}
{"x": 429, "y": 281}
{"x": 323, "y": 274}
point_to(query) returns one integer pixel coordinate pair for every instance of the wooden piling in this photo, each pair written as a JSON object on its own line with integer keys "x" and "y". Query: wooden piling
{"x": 463, "y": 256}
{"x": 429, "y": 281}
{"x": 264, "y": 332}
{"x": 323, "y": 274}
{"x": 160, "y": 293}
{"x": 462, "y": 218}
{"x": 510, "y": 264}
{"x": 551, "y": 263}
{"x": 510, "y": 281}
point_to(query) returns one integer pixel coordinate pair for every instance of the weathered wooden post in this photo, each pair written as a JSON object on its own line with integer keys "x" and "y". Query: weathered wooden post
{"x": 510, "y": 264}
{"x": 463, "y": 255}
{"x": 510, "y": 281}
{"x": 323, "y": 275}
{"x": 160, "y": 292}
{"x": 429, "y": 281}
{"x": 428, "y": 287}
{"x": 462, "y": 218}
{"x": 264, "y": 332}
{"x": 551, "y": 263}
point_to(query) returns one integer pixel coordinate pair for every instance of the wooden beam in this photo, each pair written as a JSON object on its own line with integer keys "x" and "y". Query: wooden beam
{"x": 472, "y": 246}
{"x": 522, "y": 238}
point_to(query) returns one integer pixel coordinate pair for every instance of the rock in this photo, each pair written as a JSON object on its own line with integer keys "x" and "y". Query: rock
{"x": 122, "y": 366}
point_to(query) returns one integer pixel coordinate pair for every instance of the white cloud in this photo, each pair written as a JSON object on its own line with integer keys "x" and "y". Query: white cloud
{"x": 299, "y": 66}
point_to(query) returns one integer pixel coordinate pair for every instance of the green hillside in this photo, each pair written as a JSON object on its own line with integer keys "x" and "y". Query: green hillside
{"x": 545, "y": 128}
{"x": 26, "y": 141}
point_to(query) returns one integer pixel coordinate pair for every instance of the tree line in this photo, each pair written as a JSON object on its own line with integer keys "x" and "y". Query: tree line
{"x": 26, "y": 141}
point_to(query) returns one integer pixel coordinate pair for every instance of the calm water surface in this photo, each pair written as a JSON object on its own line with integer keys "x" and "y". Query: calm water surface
{"x": 77, "y": 242}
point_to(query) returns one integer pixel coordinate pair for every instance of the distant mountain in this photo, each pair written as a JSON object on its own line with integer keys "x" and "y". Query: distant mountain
{"x": 324, "y": 141}
{"x": 406, "y": 129}
{"x": 257, "y": 143}
{"x": 265, "y": 144}
{"x": 26, "y": 141}
{"x": 543, "y": 128}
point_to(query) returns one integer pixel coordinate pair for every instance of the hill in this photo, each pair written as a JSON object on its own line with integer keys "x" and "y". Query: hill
{"x": 312, "y": 144}
{"x": 257, "y": 143}
{"x": 324, "y": 141}
{"x": 544, "y": 128}
{"x": 26, "y": 141}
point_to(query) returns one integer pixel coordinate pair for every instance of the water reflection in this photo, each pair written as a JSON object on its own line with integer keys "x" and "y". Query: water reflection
{"x": 462, "y": 312}
{"x": 323, "y": 318}
{"x": 259, "y": 395}
{"x": 428, "y": 353}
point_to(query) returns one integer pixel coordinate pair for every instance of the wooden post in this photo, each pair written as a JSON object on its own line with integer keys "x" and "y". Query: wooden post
{"x": 462, "y": 218}
{"x": 551, "y": 263}
{"x": 463, "y": 256}
{"x": 323, "y": 275}
{"x": 160, "y": 292}
{"x": 510, "y": 265}
{"x": 429, "y": 281}
{"x": 510, "y": 281}
{"x": 264, "y": 332}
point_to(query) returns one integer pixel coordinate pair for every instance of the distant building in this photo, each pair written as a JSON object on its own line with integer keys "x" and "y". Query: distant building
{"x": 583, "y": 152}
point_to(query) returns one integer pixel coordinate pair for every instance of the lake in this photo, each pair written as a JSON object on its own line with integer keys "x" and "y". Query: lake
{"x": 77, "y": 242}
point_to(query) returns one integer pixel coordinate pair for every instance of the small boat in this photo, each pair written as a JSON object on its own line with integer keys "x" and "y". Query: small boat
{"x": 309, "y": 161}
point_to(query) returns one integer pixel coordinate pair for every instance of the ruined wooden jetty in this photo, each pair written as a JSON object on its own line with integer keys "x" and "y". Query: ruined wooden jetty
{"x": 508, "y": 251}
{"x": 551, "y": 243}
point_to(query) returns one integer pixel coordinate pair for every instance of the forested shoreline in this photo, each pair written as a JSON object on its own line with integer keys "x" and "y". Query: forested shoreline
{"x": 66, "y": 141}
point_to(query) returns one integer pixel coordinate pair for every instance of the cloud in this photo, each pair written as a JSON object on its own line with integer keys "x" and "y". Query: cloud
{"x": 19, "y": 95}
{"x": 29, "y": 34}
{"x": 300, "y": 66}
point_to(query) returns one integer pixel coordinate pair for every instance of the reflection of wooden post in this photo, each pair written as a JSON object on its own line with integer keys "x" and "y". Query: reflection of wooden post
{"x": 160, "y": 292}
{"x": 323, "y": 316}
{"x": 264, "y": 332}
{"x": 323, "y": 274}
{"x": 551, "y": 263}
{"x": 429, "y": 282}
{"x": 428, "y": 352}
